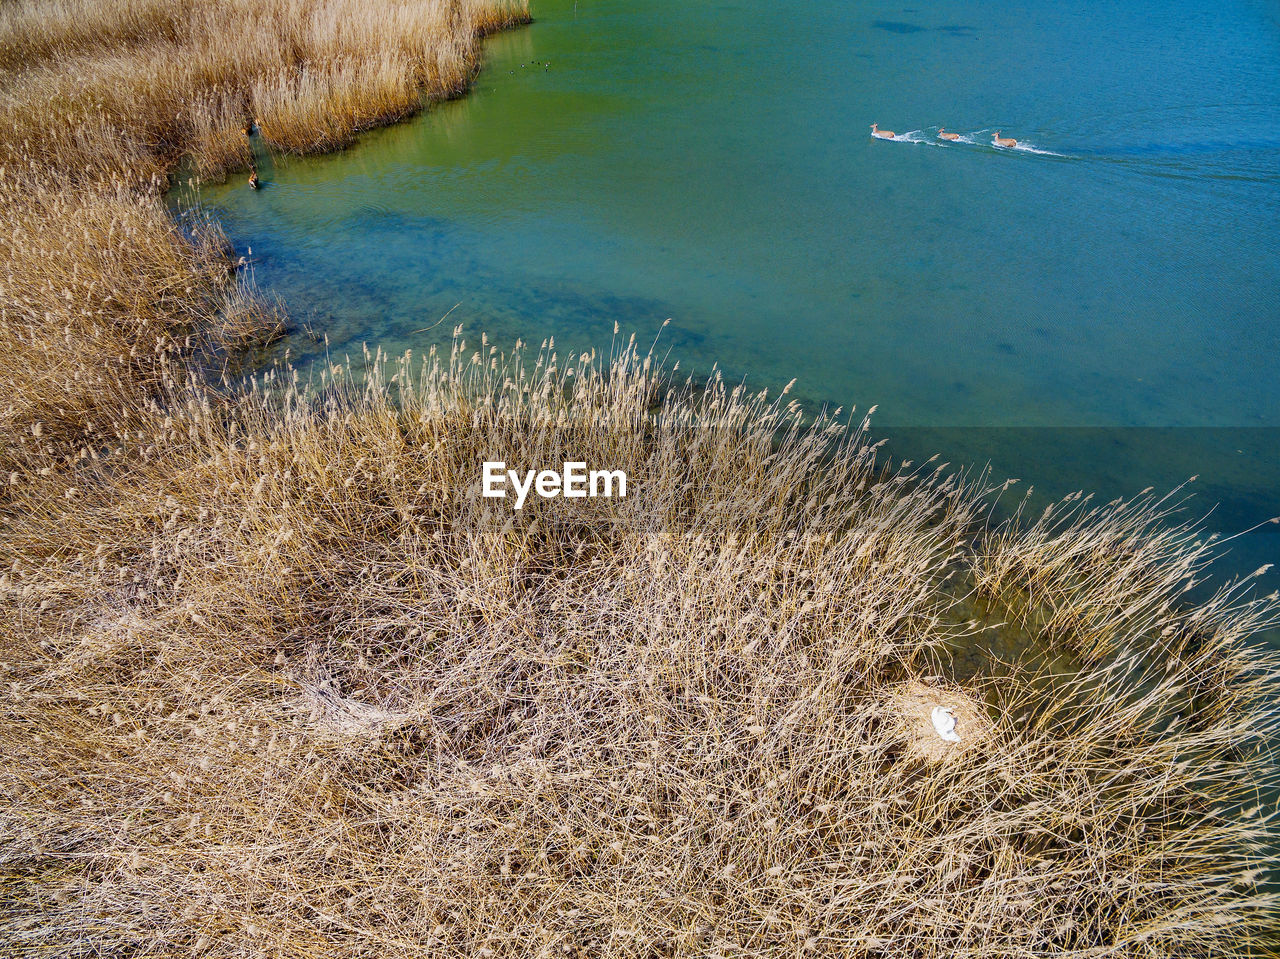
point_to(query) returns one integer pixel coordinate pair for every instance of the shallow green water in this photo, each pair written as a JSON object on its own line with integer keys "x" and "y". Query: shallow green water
{"x": 1101, "y": 311}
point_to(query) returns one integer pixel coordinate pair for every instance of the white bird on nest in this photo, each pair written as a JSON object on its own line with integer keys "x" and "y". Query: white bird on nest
{"x": 944, "y": 723}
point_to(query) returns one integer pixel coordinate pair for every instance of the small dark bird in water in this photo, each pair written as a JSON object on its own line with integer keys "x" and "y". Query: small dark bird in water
{"x": 254, "y": 182}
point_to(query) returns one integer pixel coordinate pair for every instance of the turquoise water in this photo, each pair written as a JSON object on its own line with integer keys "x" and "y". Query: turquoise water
{"x": 1099, "y": 311}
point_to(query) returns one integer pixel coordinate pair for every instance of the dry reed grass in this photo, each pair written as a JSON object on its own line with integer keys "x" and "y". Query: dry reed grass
{"x": 99, "y": 291}
{"x": 99, "y": 88}
{"x": 279, "y": 682}
{"x": 292, "y": 687}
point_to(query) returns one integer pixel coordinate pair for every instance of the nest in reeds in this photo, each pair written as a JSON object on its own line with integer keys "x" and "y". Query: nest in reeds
{"x": 908, "y": 709}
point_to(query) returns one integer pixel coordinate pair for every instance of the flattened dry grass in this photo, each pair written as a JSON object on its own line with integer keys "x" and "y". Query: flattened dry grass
{"x": 291, "y": 686}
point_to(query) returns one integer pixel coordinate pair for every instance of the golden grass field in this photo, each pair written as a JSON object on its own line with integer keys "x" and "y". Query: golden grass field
{"x": 278, "y": 681}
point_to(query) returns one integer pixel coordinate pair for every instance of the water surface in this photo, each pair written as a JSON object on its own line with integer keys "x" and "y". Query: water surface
{"x": 1097, "y": 311}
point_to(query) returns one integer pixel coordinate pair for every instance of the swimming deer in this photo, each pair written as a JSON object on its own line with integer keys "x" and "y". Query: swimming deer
{"x": 944, "y": 135}
{"x": 881, "y": 134}
{"x": 1000, "y": 141}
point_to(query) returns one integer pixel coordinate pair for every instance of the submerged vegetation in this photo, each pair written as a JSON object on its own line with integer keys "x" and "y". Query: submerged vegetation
{"x": 279, "y": 681}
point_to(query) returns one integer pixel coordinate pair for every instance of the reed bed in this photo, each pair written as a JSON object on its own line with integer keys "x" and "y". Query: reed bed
{"x": 99, "y": 102}
{"x": 291, "y": 686}
{"x": 278, "y": 681}
{"x": 101, "y": 294}
{"x": 94, "y": 86}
